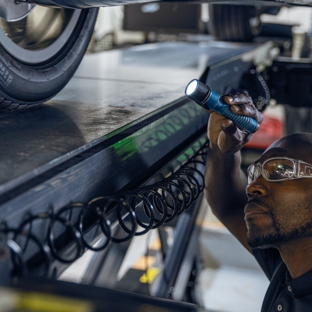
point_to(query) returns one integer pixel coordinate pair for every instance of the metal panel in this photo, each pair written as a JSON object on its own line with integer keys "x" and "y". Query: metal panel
{"x": 110, "y": 90}
{"x": 99, "y": 138}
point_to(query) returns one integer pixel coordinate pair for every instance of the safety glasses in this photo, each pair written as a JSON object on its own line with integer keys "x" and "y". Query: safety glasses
{"x": 279, "y": 169}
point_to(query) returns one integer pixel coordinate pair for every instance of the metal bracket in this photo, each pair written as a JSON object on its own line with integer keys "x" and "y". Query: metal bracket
{"x": 12, "y": 11}
{"x": 290, "y": 81}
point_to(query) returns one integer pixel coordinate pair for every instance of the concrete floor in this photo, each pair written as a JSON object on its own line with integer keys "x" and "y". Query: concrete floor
{"x": 232, "y": 280}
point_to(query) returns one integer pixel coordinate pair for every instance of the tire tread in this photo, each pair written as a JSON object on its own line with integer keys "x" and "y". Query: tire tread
{"x": 231, "y": 22}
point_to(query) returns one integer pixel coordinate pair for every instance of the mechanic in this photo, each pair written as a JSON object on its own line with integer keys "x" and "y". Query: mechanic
{"x": 270, "y": 213}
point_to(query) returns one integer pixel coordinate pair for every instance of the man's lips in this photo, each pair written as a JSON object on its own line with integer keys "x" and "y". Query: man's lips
{"x": 254, "y": 208}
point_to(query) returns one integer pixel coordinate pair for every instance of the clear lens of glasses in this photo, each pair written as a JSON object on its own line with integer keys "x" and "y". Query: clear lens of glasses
{"x": 279, "y": 169}
{"x": 253, "y": 172}
{"x": 272, "y": 170}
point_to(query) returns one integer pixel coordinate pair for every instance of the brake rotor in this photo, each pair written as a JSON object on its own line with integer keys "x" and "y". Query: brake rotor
{"x": 11, "y": 11}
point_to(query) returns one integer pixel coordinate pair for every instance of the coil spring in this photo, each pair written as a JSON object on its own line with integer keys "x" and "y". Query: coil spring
{"x": 136, "y": 212}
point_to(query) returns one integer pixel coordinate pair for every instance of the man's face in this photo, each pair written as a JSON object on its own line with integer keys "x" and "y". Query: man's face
{"x": 278, "y": 212}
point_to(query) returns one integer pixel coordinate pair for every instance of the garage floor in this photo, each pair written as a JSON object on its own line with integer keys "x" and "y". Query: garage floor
{"x": 232, "y": 281}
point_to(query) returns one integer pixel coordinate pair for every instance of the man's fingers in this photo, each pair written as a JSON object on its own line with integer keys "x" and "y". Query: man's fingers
{"x": 241, "y": 104}
{"x": 223, "y": 132}
{"x": 238, "y": 98}
{"x": 230, "y": 140}
{"x": 247, "y": 110}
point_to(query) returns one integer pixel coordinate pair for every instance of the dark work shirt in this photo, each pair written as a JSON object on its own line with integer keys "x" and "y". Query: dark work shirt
{"x": 284, "y": 294}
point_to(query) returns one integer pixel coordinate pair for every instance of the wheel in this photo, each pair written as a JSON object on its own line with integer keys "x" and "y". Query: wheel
{"x": 233, "y": 22}
{"x": 40, "y": 53}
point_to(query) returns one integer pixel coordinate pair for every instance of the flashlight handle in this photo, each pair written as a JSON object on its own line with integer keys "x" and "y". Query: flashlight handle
{"x": 216, "y": 104}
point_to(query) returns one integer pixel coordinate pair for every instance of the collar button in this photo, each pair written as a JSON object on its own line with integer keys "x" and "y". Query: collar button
{"x": 279, "y": 307}
{"x": 289, "y": 288}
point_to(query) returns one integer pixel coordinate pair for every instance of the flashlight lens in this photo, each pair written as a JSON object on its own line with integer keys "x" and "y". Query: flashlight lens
{"x": 192, "y": 86}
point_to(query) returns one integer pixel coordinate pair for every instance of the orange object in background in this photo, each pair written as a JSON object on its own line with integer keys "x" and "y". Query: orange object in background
{"x": 269, "y": 131}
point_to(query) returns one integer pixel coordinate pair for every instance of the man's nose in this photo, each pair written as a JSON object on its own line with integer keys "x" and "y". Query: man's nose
{"x": 257, "y": 188}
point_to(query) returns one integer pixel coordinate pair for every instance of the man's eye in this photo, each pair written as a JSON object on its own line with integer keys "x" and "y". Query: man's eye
{"x": 279, "y": 168}
{"x": 284, "y": 171}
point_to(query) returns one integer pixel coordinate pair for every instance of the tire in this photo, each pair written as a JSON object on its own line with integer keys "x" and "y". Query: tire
{"x": 233, "y": 22}
{"x": 35, "y": 66}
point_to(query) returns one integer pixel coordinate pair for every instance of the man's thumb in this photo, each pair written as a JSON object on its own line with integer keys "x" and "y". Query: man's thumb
{"x": 228, "y": 126}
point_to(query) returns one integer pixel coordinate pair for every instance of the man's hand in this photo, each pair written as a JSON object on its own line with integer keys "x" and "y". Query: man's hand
{"x": 223, "y": 133}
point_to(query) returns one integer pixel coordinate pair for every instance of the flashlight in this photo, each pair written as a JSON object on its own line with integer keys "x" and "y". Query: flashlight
{"x": 205, "y": 97}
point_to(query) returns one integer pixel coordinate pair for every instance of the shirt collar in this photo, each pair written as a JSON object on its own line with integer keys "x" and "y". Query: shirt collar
{"x": 300, "y": 285}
